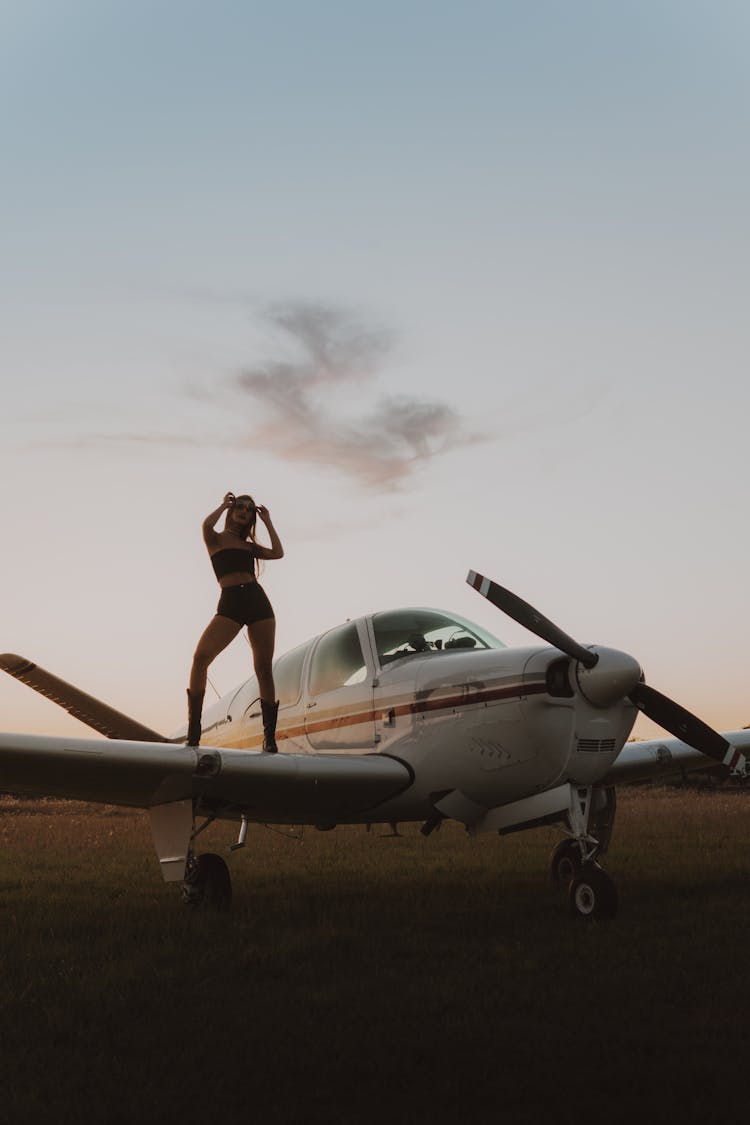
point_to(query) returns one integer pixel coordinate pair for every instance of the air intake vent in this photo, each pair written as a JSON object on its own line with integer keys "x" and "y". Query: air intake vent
{"x": 596, "y": 745}
{"x": 558, "y": 679}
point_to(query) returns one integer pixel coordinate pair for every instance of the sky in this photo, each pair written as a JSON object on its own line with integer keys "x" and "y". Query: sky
{"x": 445, "y": 286}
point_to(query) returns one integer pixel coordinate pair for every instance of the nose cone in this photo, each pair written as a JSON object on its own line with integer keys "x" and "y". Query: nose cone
{"x": 613, "y": 677}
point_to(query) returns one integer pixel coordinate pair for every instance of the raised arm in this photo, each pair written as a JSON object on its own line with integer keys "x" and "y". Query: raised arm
{"x": 209, "y": 523}
{"x": 275, "y": 551}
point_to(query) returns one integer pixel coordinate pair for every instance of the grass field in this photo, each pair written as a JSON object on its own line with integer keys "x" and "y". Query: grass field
{"x": 362, "y": 978}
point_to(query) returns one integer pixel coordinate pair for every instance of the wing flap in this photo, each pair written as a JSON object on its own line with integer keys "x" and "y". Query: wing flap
{"x": 86, "y": 708}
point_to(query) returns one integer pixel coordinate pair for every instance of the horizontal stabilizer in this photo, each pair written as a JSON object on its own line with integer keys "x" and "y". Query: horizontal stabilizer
{"x": 100, "y": 716}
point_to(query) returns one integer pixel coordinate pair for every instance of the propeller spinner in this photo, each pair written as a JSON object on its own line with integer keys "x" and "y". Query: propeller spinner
{"x": 619, "y": 682}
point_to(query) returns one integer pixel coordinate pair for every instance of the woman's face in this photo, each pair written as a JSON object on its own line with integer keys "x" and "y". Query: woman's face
{"x": 242, "y": 511}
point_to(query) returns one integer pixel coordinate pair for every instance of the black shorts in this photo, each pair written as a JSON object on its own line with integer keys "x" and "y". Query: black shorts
{"x": 245, "y": 604}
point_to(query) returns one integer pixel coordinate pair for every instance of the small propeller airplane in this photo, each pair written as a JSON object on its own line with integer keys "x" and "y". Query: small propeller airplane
{"x": 409, "y": 715}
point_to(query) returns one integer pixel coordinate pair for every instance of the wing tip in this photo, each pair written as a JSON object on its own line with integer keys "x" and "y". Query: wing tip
{"x": 14, "y": 664}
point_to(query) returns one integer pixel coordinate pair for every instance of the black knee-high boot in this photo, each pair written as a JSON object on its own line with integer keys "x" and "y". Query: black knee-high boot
{"x": 270, "y": 712}
{"x": 195, "y": 711}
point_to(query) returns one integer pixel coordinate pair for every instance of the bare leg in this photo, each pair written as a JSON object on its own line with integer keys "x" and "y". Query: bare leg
{"x": 262, "y": 640}
{"x": 262, "y": 637}
{"x": 220, "y": 632}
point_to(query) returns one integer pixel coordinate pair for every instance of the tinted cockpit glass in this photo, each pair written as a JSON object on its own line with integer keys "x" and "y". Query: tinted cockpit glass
{"x": 338, "y": 660}
{"x": 287, "y": 674}
{"x": 406, "y": 632}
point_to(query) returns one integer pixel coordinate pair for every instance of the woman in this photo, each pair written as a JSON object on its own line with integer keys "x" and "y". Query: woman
{"x": 243, "y": 601}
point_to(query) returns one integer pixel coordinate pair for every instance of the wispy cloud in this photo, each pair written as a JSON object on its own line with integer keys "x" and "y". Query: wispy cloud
{"x": 317, "y": 401}
{"x": 302, "y": 401}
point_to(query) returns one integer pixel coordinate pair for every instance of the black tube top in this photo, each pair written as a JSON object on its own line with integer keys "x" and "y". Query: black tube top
{"x": 229, "y": 560}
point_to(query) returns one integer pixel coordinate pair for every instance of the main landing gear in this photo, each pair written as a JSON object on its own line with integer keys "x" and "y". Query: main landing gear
{"x": 207, "y": 883}
{"x": 573, "y": 863}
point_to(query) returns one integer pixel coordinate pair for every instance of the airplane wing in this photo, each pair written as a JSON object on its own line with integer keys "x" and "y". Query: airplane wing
{"x": 270, "y": 788}
{"x": 655, "y": 758}
{"x": 93, "y": 712}
{"x": 140, "y": 768}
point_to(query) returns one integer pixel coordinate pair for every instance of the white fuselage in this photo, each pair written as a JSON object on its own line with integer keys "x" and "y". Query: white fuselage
{"x": 482, "y": 722}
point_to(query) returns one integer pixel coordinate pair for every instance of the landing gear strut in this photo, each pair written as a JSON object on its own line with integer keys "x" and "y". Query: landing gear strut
{"x": 573, "y": 863}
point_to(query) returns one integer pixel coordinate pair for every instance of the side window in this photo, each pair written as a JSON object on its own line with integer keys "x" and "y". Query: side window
{"x": 337, "y": 661}
{"x": 246, "y": 699}
{"x": 287, "y": 675}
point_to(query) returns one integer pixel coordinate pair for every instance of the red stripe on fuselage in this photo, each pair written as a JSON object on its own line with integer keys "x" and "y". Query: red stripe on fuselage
{"x": 467, "y": 698}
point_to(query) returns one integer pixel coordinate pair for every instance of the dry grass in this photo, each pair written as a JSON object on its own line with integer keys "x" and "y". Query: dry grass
{"x": 363, "y": 979}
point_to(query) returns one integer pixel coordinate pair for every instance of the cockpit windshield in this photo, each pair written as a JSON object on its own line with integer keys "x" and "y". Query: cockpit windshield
{"x": 406, "y": 632}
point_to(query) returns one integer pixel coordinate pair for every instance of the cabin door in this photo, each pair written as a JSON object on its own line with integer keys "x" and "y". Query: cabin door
{"x": 339, "y": 702}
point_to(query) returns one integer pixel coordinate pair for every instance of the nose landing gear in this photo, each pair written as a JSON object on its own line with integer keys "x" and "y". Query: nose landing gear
{"x": 565, "y": 862}
{"x": 592, "y": 894}
{"x": 573, "y": 863}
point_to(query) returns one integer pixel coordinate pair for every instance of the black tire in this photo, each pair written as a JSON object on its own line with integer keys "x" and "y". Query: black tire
{"x": 208, "y": 884}
{"x": 565, "y": 863}
{"x": 592, "y": 893}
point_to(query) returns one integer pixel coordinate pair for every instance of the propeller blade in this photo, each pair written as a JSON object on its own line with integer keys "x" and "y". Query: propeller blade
{"x": 685, "y": 726}
{"x": 530, "y": 618}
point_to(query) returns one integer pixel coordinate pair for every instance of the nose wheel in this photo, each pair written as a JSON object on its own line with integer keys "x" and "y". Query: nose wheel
{"x": 573, "y": 863}
{"x": 565, "y": 862}
{"x": 592, "y": 894}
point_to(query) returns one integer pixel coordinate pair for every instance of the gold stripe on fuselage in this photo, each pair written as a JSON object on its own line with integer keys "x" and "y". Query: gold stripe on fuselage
{"x": 337, "y": 718}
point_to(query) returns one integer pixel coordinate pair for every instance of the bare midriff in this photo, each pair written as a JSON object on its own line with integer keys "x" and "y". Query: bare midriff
{"x": 236, "y": 578}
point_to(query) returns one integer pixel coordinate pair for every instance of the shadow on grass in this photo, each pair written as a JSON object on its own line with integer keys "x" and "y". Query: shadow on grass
{"x": 367, "y": 981}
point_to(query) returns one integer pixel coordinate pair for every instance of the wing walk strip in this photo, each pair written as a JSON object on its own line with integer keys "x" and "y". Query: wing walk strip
{"x": 336, "y": 721}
